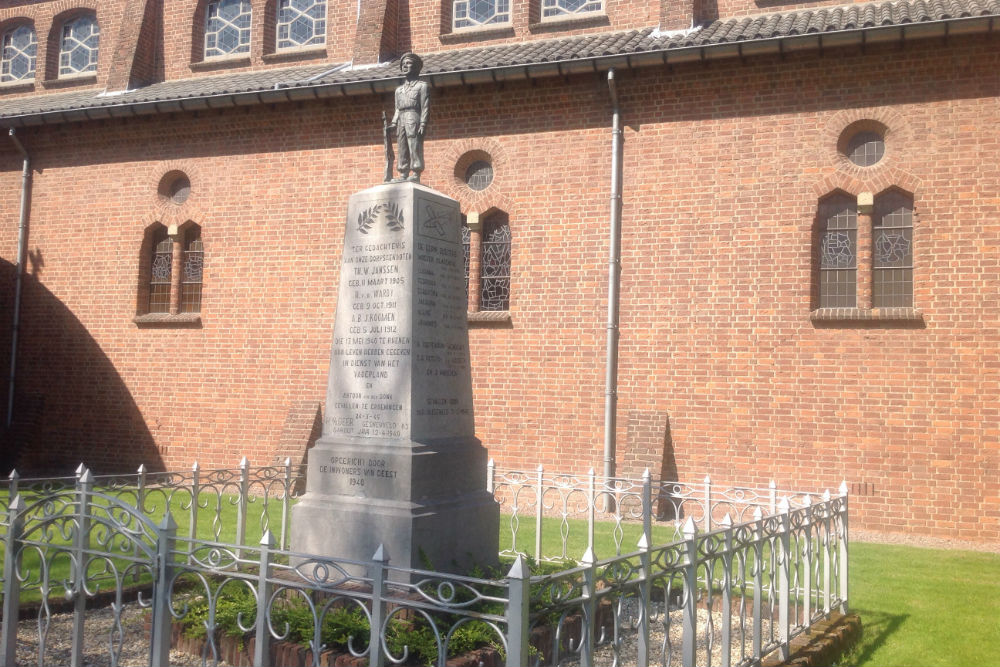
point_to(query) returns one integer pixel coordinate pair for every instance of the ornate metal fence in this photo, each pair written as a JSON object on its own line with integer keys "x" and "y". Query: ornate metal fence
{"x": 724, "y": 593}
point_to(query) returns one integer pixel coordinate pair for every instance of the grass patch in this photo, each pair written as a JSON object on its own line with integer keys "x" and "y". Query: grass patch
{"x": 924, "y": 607}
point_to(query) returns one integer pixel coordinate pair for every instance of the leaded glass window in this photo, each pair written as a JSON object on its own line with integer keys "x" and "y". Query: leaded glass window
{"x": 495, "y": 269}
{"x": 865, "y": 148}
{"x": 227, "y": 28}
{"x": 159, "y": 283}
{"x": 479, "y": 13}
{"x": 193, "y": 264}
{"x": 466, "y": 247}
{"x": 80, "y": 41}
{"x": 301, "y": 23}
{"x": 838, "y": 272}
{"x": 892, "y": 251}
{"x": 557, "y": 8}
{"x": 20, "y": 48}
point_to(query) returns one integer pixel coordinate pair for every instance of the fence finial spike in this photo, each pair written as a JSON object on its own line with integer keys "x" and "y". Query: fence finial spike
{"x": 772, "y": 485}
{"x": 15, "y": 506}
{"x": 843, "y": 488}
{"x": 79, "y": 469}
{"x": 727, "y": 521}
{"x": 826, "y": 496}
{"x": 808, "y": 500}
{"x": 588, "y": 557}
{"x": 520, "y": 569}
{"x": 708, "y": 479}
{"x": 244, "y": 462}
{"x": 646, "y": 475}
{"x": 540, "y": 468}
{"x": 491, "y": 462}
{"x": 288, "y": 461}
{"x": 87, "y": 477}
{"x": 141, "y": 469}
{"x": 758, "y": 513}
{"x": 267, "y": 539}
{"x": 14, "y": 475}
{"x": 195, "y": 467}
{"x": 168, "y": 522}
{"x": 643, "y": 542}
{"x": 381, "y": 554}
{"x": 591, "y": 472}
{"x": 689, "y": 528}
{"x": 783, "y": 505}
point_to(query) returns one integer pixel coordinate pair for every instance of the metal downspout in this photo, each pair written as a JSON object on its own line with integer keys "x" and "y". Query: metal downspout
{"x": 614, "y": 284}
{"x": 22, "y": 228}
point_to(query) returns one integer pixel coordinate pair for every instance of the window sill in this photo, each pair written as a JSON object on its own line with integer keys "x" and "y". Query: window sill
{"x": 221, "y": 62}
{"x": 866, "y": 315}
{"x": 70, "y": 80}
{"x": 489, "y": 317}
{"x": 477, "y": 34}
{"x": 570, "y": 22}
{"x": 288, "y": 55}
{"x": 180, "y": 320}
{"x": 17, "y": 86}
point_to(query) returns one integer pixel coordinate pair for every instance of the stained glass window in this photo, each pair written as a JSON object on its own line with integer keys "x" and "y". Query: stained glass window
{"x": 20, "y": 48}
{"x": 479, "y": 13}
{"x": 159, "y": 283}
{"x": 194, "y": 262}
{"x": 495, "y": 269}
{"x": 227, "y": 28}
{"x": 892, "y": 251}
{"x": 556, "y": 8}
{"x": 479, "y": 175}
{"x": 838, "y": 273}
{"x": 80, "y": 41}
{"x": 301, "y": 23}
{"x": 466, "y": 246}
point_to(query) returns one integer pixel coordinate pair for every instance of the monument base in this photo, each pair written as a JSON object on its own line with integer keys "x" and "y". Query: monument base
{"x": 426, "y": 503}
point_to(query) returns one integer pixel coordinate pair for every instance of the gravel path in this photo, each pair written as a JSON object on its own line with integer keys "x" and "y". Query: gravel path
{"x": 96, "y": 644}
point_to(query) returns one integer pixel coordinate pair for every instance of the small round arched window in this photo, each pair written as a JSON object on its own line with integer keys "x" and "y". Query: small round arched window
{"x": 865, "y": 148}
{"x": 175, "y": 187}
{"x": 479, "y": 175}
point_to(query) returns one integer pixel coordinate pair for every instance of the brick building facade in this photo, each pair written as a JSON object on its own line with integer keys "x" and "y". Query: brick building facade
{"x": 757, "y": 137}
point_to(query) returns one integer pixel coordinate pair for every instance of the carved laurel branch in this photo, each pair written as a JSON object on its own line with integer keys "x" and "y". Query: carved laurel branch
{"x": 367, "y": 218}
{"x": 394, "y": 216}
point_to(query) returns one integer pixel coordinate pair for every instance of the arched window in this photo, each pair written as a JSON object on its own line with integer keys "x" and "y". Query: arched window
{"x": 892, "y": 251}
{"x": 495, "y": 269}
{"x": 301, "y": 23}
{"x": 160, "y": 272}
{"x": 838, "y": 252}
{"x": 553, "y": 9}
{"x": 480, "y": 13}
{"x": 194, "y": 261}
{"x": 227, "y": 28}
{"x": 20, "y": 51}
{"x": 78, "y": 48}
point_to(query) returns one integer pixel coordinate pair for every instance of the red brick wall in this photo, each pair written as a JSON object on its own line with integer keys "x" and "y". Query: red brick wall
{"x": 724, "y": 164}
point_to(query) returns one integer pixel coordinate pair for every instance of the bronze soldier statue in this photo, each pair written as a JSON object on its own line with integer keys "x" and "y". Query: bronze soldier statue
{"x": 413, "y": 104}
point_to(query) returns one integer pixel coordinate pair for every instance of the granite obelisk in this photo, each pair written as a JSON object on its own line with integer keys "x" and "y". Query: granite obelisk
{"x": 398, "y": 463}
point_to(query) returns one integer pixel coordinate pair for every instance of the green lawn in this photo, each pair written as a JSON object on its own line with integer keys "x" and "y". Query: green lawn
{"x": 924, "y": 607}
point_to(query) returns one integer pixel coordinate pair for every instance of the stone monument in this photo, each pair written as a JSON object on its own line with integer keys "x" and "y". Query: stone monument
{"x": 398, "y": 463}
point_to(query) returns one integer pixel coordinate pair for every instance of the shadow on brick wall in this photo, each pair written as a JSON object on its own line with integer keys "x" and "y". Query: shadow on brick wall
{"x": 70, "y": 404}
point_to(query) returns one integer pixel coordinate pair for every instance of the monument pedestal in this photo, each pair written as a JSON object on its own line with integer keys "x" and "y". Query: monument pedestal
{"x": 398, "y": 463}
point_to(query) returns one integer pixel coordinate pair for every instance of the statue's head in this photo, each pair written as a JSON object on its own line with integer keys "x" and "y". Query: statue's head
{"x": 414, "y": 61}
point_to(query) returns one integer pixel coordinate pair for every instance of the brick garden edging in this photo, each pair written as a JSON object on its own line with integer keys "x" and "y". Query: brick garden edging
{"x": 823, "y": 645}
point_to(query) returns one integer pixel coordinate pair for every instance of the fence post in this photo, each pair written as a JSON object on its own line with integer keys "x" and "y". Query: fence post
{"x": 518, "y": 606}
{"x": 647, "y": 507}
{"x": 140, "y": 488}
{"x": 807, "y": 561}
{"x": 539, "y": 502}
{"x": 262, "y": 638}
{"x": 81, "y": 541}
{"x": 784, "y": 570}
{"x": 380, "y": 560}
{"x": 758, "y": 574}
{"x": 727, "y": 590}
{"x": 826, "y": 552}
{"x": 286, "y": 505}
{"x": 159, "y": 640}
{"x": 241, "y": 510}
{"x": 689, "y": 626}
{"x": 772, "y": 495}
{"x": 645, "y": 590}
{"x": 588, "y": 627}
{"x": 14, "y": 477}
{"x": 843, "y": 550}
{"x": 707, "y": 528}
{"x": 491, "y": 471}
{"x": 11, "y": 585}
{"x": 195, "y": 496}
{"x": 591, "y": 511}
